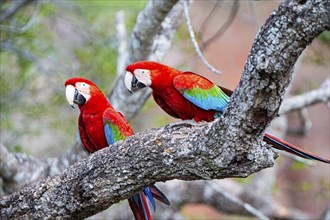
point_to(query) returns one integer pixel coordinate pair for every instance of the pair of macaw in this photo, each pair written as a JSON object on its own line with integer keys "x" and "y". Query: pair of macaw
{"x": 183, "y": 95}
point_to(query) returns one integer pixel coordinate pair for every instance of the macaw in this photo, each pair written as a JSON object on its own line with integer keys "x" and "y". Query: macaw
{"x": 100, "y": 125}
{"x": 187, "y": 95}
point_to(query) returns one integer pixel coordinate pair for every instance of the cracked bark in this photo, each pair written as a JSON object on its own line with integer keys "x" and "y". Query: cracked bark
{"x": 183, "y": 150}
{"x": 224, "y": 148}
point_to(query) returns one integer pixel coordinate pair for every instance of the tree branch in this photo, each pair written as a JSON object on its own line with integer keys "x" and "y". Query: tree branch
{"x": 184, "y": 150}
{"x": 224, "y": 27}
{"x": 12, "y": 9}
{"x": 268, "y": 69}
{"x": 294, "y": 103}
{"x": 193, "y": 40}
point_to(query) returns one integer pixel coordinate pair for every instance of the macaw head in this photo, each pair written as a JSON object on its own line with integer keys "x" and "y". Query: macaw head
{"x": 146, "y": 74}
{"x": 80, "y": 91}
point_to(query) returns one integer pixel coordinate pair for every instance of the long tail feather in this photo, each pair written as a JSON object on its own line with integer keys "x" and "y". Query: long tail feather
{"x": 148, "y": 194}
{"x": 157, "y": 194}
{"x": 140, "y": 207}
{"x": 283, "y": 145}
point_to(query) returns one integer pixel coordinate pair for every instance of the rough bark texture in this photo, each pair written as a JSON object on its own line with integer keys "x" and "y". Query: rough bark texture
{"x": 185, "y": 150}
{"x": 268, "y": 70}
{"x": 188, "y": 151}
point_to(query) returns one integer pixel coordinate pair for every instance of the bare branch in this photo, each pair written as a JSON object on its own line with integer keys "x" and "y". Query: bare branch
{"x": 113, "y": 174}
{"x": 271, "y": 60}
{"x": 294, "y": 103}
{"x": 195, "y": 44}
{"x": 245, "y": 207}
{"x": 12, "y": 9}
{"x": 6, "y": 45}
{"x": 19, "y": 170}
{"x": 224, "y": 27}
{"x": 16, "y": 168}
{"x": 147, "y": 25}
{"x": 205, "y": 22}
{"x": 27, "y": 26}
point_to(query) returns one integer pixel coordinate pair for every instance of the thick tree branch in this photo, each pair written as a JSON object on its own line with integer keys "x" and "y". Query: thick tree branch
{"x": 184, "y": 150}
{"x": 268, "y": 69}
{"x": 147, "y": 25}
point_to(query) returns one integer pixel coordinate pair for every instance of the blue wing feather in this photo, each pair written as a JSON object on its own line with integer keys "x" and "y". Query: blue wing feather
{"x": 109, "y": 134}
{"x": 201, "y": 91}
{"x": 217, "y": 103}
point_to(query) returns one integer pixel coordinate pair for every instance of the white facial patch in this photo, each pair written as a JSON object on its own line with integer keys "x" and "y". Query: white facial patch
{"x": 143, "y": 76}
{"x": 83, "y": 89}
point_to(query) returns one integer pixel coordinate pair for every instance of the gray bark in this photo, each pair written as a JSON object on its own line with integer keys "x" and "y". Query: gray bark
{"x": 184, "y": 150}
{"x": 224, "y": 148}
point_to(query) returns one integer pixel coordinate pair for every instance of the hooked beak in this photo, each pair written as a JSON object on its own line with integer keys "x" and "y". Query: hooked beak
{"x": 128, "y": 81}
{"x": 73, "y": 96}
{"x": 131, "y": 82}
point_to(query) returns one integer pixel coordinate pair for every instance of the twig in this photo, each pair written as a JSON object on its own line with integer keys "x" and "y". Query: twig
{"x": 26, "y": 54}
{"x": 195, "y": 44}
{"x": 205, "y": 22}
{"x": 12, "y": 9}
{"x": 225, "y": 26}
{"x": 27, "y": 26}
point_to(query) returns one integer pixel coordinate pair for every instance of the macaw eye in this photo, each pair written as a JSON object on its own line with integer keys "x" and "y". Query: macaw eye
{"x": 84, "y": 84}
{"x": 142, "y": 71}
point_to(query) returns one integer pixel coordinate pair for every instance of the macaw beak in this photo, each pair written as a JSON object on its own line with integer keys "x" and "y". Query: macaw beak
{"x": 131, "y": 82}
{"x": 128, "y": 81}
{"x": 73, "y": 96}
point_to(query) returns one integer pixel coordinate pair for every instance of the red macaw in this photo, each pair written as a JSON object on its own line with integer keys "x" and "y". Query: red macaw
{"x": 100, "y": 125}
{"x": 186, "y": 95}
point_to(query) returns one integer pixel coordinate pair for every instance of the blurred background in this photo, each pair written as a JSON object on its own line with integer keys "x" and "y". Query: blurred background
{"x": 47, "y": 42}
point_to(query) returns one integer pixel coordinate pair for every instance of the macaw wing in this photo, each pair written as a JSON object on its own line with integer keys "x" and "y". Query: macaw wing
{"x": 88, "y": 146}
{"x": 115, "y": 126}
{"x": 160, "y": 101}
{"x": 200, "y": 91}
